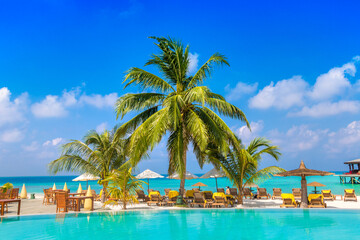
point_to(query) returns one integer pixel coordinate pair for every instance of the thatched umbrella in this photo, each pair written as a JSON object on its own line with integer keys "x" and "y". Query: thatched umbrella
{"x": 214, "y": 173}
{"x": 315, "y": 184}
{"x": 86, "y": 177}
{"x": 199, "y": 184}
{"x": 188, "y": 176}
{"x": 303, "y": 172}
{"x": 147, "y": 174}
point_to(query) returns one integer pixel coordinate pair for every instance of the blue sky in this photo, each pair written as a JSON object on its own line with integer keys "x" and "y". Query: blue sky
{"x": 294, "y": 72}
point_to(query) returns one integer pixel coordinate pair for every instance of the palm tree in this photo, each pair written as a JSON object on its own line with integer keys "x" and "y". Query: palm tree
{"x": 123, "y": 186}
{"x": 98, "y": 155}
{"x": 242, "y": 167}
{"x": 175, "y": 104}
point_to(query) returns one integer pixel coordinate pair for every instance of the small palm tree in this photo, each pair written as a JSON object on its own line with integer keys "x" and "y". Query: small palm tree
{"x": 175, "y": 104}
{"x": 123, "y": 186}
{"x": 241, "y": 167}
{"x": 98, "y": 155}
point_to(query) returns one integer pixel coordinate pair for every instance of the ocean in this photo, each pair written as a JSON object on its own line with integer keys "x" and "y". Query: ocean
{"x": 36, "y": 184}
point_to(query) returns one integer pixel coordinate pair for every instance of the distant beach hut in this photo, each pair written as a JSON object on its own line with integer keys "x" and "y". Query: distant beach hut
{"x": 214, "y": 173}
{"x": 199, "y": 184}
{"x": 188, "y": 176}
{"x": 303, "y": 172}
{"x": 86, "y": 177}
{"x": 315, "y": 184}
{"x": 147, "y": 174}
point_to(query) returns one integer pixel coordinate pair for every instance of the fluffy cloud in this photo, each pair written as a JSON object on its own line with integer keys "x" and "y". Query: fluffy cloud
{"x": 329, "y": 109}
{"x": 12, "y": 135}
{"x": 246, "y": 135}
{"x": 101, "y": 127}
{"x": 240, "y": 90}
{"x": 31, "y": 147}
{"x": 53, "y": 142}
{"x": 193, "y": 64}
{"x": 333, "y": 83}
{"x": 11, "y": 111}
{"x": 57, "y": 106}
{"x": 283, "y": 95}
{"x": 345, "y": 139}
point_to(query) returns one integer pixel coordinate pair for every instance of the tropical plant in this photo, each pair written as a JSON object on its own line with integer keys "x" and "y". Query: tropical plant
{"x": 175, "y": 104}
{"x": 7, "y": 186}
{"x": 242, "y": 167}
{"x": 122, "y": 186}
{"x": 98, "y": 154}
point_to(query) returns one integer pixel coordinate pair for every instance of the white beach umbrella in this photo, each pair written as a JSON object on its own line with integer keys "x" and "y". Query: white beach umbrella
{"x": 147, "y": 174}
{"x": 188, "y": 176}
{"x": 85, "y": 178}
{"x": 214, "y": 173}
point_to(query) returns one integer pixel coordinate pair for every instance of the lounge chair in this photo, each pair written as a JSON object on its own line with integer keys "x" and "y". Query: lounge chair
{"x": 327, "y": 195}
{"x": 61, "y": 202}
{"x": 247, "y": 193}
{"x": 173, "y": 195}
{"x": 262, "y": 193}
{"x": 297, "y": 193}
{"x": 288, "y": 201}
{"x": 316, "y": 201}
{"x": 220, "y": 190}
{"x": 167, "y": 190}
{"x": 14, "y": 194}
{"x": 199, "y": 200}
{"x": 155, "y": 198}
{"x": 234, "y": 193}
{"x": 219, "y": 199}
{"x": 208, "y": 195}
{"x": 276, "y": 193}
{"x": 141, "y": 195}
{"x": 349, "y": 195}
{"x": 189, "y": 195}
{"x": 48, "y": 196}
{"x": 196, "y": 190}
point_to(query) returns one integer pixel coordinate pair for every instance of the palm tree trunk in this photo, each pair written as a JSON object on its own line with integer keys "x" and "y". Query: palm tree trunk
{"x": 103, "y": 196}
{"x": 182, "y": 182}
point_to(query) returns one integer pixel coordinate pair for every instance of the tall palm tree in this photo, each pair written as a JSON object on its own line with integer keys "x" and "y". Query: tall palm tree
{"x": 98, "y": 155}
{"x": 175, "y": 104}
{"x": 242, "y": 167}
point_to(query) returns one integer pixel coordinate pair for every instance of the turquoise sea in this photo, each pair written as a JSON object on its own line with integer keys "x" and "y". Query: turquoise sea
{"x": 36, "y": 184}
{"x": 187, "y": 224}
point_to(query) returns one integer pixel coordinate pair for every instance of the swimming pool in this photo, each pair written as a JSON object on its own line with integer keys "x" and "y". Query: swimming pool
{"x": 187, "y": 224}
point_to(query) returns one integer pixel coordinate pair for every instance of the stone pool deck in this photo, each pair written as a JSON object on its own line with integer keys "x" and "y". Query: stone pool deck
{"x": 35, "y": 206}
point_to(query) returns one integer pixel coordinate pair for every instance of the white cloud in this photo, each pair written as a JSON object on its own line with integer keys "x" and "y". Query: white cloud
{"x": 329, "y": 109}
{"x": 193, "y": 64}
{"x": 283, "y": 95}
{"x": 12, "y": 135}
{"x": 11, "y": 111}
{"x": 99, "y": 101}
{"x": 101, "y": 127}
{"x": 32, "y": 147}
{"x": 246, "y": 135}
{"x": 333, "y": 83}
{"x": 240, "y": 90}
{"x": 344, "y": 139}
{"x": 51, "y": 106}
{"x": 53, "y": 142}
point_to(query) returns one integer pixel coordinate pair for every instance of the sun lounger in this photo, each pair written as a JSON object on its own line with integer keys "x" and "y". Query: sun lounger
{"x": 155, "y": 198}
{"x": 199, "y": 200}
{"x": 276, "y": 193}
{"x": 167, "y": 190}
{"x": 220, "y": 190}
{"x": 327, "y": 195}
{"x": 208, "y": 195}
{"x": 288, "y": 201}
{"x": 316, "y": 201}
{"x": 172, "y": 197}
{"x": 262, "y": 193}
{"x": 219, "y": 199}
{"x": 297, "y": 193}
{"x": 196, "y": 190}
{"x": 349, "y": 195}
{"x": 141, "y": 195}
{"x": 48, "y": 196}
{"x": 247, "y": 193}
{"x": 189, "y": 195}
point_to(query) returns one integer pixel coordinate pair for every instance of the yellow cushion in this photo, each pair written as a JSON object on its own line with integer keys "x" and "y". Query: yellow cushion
{"x": 288, "y": 195}
{"x": 153, "y": 193}
{"x": 219, "y": 194}
{"x": 189, "y": 193}
{"x": 326, "y": 191}
{"x": 314, "y": 196}
{"x": 349, "y": 190}
{"x": 173, "y": 194}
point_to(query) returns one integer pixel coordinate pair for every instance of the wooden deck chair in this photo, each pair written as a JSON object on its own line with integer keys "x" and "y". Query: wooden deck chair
{"x": 14, "y": 194}
{"x": 196, "y": 190}
{"x": 172, "y": 195}
{"x": 327, "y": 195}
{"x": 208, "y": 196}
{"x": 247, "y": 193}
{"x": 199, "y": 200}
{"x": 155, "y": 198}
{"x": 262, "y": 193}
{"x": 48, "y": 197}
{"x": 234, "y": 193}
{"x": 316, "y": 201}
{"x": 141, "y": 195}
{"x": 349, "y": 195}
{"x": 220, "y": 190}
{"x": 297, "y": 193}
{"x": 219, "y": 200}
{"x": 167, "y": 190}
{"x": 61, "y": 202}
{"x": 276, "y": 193}
{"x": 289, "y": 201}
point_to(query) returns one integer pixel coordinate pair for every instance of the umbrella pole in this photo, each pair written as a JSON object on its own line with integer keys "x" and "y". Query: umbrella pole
{"x": 148, "y": 186}
{"x": 216, "y": 184}
{"x": 304, "y": 200}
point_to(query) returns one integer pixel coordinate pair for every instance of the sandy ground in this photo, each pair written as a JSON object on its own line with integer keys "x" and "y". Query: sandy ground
{"x": 35, "y": 206}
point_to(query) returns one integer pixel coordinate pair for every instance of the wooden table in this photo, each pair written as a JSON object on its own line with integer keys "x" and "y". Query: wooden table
{"x": 76, "y": 194}
{"x": 78, "y": 201}
{"x": 6, "y": 201}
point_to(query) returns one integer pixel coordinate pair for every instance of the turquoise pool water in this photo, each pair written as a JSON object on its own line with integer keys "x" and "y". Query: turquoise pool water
{"x": 188, "y": 224}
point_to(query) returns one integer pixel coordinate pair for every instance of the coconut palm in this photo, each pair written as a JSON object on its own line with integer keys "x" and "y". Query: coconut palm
{"x": 98, "y": 155}
{"x": 242, "y": 167}
{"x": 175, "y": 104}
{"x": 122, "y": 186}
